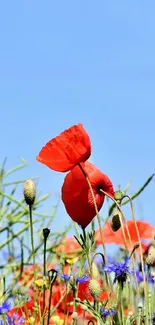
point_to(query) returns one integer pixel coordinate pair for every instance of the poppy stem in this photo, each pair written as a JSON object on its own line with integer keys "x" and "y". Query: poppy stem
{"x": 52, "y": 277}
{"x": 44, "y": 286}
{"x": 98, "y": 218}
{"x": 125, "y": 242}
{"x": 96, "y": 210}
{"x": 33, "y": 253}
{"x": 49, "y": 304}
{"x": 87, "y": 249}
{"x": 140, "y": 246}
{"x": 123, "y": 217}
{"x": 46, "y": 232}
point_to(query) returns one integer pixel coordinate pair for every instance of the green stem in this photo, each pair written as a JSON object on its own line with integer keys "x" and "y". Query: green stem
{"x": 86, "y": 248}
{"x": 33, "y": 252}
{"x": 44, "y": 287}
{"x": 49, "y": 304}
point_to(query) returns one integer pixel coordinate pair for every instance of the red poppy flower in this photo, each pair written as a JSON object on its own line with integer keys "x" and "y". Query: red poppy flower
{"x": 76, "y": 194}
{"x": 69, "y": 246}
{"x": 110, "y": 237}
{"x": 66, "y": 150}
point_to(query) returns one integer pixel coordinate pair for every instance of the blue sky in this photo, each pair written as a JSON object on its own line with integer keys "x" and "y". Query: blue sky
{"x": 64, "y": 62}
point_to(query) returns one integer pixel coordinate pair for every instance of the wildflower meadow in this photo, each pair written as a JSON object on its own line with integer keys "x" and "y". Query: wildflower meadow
{"x": 51, "y": 278}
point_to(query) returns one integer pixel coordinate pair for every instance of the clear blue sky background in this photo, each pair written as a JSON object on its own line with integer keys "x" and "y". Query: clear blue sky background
{"x": 64, "y": 62}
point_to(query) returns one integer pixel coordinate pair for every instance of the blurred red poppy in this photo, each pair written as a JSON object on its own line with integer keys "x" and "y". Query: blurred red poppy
{"x": 76, "y": 194}
{"x": 66, "y": 150}
{"x": 110, "y": 237}
{"x": 69, "y": 245}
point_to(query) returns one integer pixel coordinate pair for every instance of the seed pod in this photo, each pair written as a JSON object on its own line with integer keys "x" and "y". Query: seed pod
{"x": 29, "y": 192}
{"x": 115, "y": 221}
{"x": 94, "y": 271}
{"x": 46, "y": 232}
{"x": 94, "y": 288}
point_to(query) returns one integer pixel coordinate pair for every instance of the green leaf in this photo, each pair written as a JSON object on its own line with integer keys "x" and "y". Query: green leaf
{"x": 24, "y": 163}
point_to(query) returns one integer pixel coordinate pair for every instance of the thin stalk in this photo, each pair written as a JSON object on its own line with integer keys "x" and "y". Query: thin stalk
{"x": 44, "y": 287}
{"x": 98, "y": 217}
{"x": 49, "y": 304}
{"x": 33, "y": 252}
{"x": 96, "y": 209}
{"x": 140, "y": 246}
{"x": 125, "y": 242}
{"x": 86, "y": 248}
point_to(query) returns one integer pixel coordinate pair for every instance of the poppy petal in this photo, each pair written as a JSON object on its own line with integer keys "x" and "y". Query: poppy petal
{"x": 66, "y": 150}
{"x": 76, "y": 194}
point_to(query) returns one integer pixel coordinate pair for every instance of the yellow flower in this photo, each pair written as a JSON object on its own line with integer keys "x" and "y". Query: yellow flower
{"x": 72, "y": 260}
{"x": 31, "y": 321}
{"x": 57, "y": 320}
{"x": 40, "y": 282}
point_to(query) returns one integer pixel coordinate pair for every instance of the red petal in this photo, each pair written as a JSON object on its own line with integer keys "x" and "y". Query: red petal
{"x": 66, "y": 150}
{"x": 76, "y": 194}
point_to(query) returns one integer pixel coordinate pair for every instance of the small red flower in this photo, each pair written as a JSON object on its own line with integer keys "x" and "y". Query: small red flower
{"x": 66, "y": 150}
{"x": 110, "y": 237}
{"x": 76, "y": 194}
{"x": 69, "y": 247}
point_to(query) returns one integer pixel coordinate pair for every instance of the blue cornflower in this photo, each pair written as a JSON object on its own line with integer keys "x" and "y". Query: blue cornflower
{"x": 121, "y": 270}
{"x": 140, "y": 278}
{"x": 107, "y": 312}
{"x": 5, "y": 307}
{"x": 83, "y": 279}
{"x": 65, "y": 277}
{"x": 15, "y": 320}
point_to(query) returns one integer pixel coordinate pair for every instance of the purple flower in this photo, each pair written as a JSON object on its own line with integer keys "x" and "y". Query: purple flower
{"x": 5, "y": 307}
{"x": 140, "y": 278}
{"x": 121, "y": 270}
{"x": 65, "y": 277}
{"x": 107, "y": 312}
{"x": 83, "y": 279}
{"x": 15, "y": 320}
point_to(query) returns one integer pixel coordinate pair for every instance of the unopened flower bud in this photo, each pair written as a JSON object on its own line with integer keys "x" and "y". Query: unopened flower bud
{"x": 94, "y": 288}
{"x": 118, "y": 195}
{"x": 84, "y": 307}
{"x": 130, "y": 313}
{"x": 29, "y": 192}
{"x": 94, "y": 271}
{"x": 74, "y": 315}
{"x": 150, "y": 260}
{"x": 140, "y": 305}
{"x": 115, "y": 221}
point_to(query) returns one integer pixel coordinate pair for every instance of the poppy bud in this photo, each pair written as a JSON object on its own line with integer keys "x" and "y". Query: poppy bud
{"x": 94, "y": 288}
{"x": 118, "y": 195}
{"x": 115, "y": 221}
{"x": 29, "y": 192}
{"x": 94, "y": 271}
{"x": 74, "y": 315}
